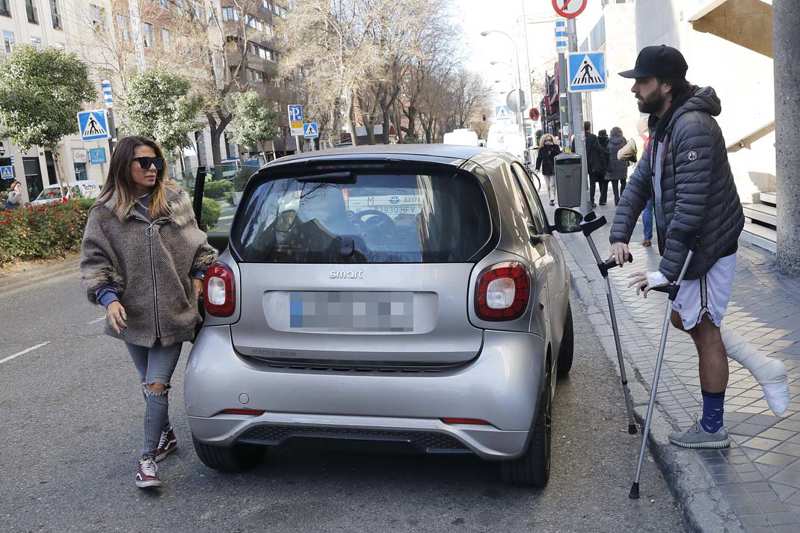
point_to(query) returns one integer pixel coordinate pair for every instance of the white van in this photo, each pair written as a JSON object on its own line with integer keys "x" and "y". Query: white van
{"x": 462, "y": 137}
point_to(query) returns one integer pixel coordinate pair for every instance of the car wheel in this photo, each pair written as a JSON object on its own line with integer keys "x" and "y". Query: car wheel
{"x": 567, "y": 348}
{"x": 237, "y": 458}
{"x": 533, "y": 468}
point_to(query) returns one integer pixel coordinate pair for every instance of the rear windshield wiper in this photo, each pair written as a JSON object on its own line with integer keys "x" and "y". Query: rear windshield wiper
{"x": 345, "y": 177}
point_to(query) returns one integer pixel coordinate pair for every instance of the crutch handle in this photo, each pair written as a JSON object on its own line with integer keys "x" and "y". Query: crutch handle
{"x": 610, "y": 263}
{"x": 590, "y": 225}
{"x": 670, "y": 290}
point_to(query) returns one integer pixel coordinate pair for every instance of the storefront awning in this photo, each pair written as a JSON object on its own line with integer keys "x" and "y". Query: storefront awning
{"x": 747, "y": 23}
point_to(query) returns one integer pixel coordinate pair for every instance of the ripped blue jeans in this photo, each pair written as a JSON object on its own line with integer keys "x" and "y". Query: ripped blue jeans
{"x": 155, "y": 365}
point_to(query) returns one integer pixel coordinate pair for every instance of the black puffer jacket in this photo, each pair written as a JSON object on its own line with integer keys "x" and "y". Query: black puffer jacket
{"x": 545, "y": 158}
{"x": 698, "y": 198}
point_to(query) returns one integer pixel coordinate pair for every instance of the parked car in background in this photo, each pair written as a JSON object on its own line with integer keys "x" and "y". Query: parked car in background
{"x": 402, "y": 294}
{"x": 55, "y": 194}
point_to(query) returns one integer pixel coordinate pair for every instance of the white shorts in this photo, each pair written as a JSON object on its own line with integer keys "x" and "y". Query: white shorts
{"x": 709, "y": 294}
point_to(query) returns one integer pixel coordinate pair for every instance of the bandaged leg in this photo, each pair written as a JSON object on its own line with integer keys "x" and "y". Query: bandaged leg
{"x": 769, "y": 372}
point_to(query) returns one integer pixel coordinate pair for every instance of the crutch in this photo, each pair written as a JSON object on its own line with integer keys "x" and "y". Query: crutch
{"x": 672, "y": 293}
{"x": 588, "y": 227}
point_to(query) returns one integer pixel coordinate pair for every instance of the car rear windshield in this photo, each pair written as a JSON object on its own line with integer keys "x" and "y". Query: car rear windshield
{"x": 364, "y": 218}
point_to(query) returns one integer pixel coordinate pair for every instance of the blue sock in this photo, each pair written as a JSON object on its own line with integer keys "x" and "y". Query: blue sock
{"x": 712, "y": 411}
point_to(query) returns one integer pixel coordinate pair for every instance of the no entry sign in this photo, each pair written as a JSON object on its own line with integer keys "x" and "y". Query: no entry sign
{"x": 569, "y": 8}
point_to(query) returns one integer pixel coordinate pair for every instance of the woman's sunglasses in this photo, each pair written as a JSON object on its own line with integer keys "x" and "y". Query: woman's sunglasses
{"x": 146, "y": 162}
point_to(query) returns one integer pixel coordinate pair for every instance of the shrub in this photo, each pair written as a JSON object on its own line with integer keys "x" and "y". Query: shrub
{"x": 209, "y": 214}
{"x": 240, "y": 181}
{"x": 42, "y": 232}
{"x": 216, "y": 189}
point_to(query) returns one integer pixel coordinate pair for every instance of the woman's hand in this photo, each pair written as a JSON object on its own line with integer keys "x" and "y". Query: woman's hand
{"x": 116, "y": 316}
{"x": 198, "y": 288}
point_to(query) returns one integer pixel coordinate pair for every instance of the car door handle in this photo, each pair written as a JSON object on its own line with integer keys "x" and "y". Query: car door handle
{"x": 536, "y": 238}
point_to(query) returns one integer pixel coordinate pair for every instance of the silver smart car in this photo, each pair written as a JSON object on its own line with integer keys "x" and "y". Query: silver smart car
{"x": 408, "y": 294}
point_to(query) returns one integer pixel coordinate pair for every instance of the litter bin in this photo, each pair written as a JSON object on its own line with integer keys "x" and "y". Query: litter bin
{"x": 568, "y": 179}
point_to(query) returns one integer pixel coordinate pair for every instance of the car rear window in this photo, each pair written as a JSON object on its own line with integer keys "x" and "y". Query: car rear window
{"x": 364, "y": 218}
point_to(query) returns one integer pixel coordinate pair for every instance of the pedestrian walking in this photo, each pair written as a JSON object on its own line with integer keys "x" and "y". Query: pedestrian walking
{"x": 617, "y": 168}
{"x": 602, "y": 165}
{"x": 14, "y": 199}
{"x": 143, "y": 258}
{"x": 685, "y": 172}
{"x": 596, "y": 160}
{"x": 545, "y": 160}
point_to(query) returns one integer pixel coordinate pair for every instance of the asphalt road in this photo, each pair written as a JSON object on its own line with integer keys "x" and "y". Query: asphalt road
{"x": 71, "y": 422}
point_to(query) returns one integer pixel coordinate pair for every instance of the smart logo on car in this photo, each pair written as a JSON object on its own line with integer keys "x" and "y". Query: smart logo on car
{"x": 346, "y": 275}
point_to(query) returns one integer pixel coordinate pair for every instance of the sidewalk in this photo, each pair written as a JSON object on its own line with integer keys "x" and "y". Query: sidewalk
{"x": 759, "y": 476}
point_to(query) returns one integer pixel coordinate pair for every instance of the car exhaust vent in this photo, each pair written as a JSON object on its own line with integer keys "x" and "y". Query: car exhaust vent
{"x": 357, "y": 367}
{"x": 424, "y": 441}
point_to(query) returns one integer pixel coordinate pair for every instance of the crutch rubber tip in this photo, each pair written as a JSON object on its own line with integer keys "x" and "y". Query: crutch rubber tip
{"x": 634, "y": 494}
{"x": 632, "y": 429}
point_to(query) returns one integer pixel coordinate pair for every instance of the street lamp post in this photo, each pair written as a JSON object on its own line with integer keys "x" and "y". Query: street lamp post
{"x": 519, "y": 79}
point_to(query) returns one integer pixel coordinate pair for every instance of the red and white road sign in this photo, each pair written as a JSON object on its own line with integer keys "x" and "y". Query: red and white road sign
{"x": 569, "y": 8}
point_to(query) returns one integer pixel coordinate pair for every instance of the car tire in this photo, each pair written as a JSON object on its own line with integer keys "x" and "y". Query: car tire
{"x": 237, "y": 458}
{"x": 533, "y": 468}
{"x": 567, "y": 348}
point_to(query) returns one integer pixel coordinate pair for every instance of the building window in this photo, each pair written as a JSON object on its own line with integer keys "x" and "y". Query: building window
{"x": 254, "y": 23}
{"x": 278, "y": 10}
{"x": 33, "y": 14}
{"x": 80, "y": 171}
{"x": 8, "y": 41}
{"x": 122, "y": 28}
{"x": 267, "y": 5}
{"x": 165, "y": 37}
{"x": 55, "y": 15}
{"x": 97, "y": 15}
{"x": 5, "y": 10}
{"x": 148, "y": 34}
{"x": 255, "y": 75}
{"x": 230, "y": 14}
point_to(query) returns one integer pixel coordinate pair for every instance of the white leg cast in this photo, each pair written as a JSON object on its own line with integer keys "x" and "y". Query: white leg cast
{"x": 769, "y": 372}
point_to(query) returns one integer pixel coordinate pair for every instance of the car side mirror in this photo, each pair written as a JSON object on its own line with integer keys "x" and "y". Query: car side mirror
{"x": 567, "y": 220}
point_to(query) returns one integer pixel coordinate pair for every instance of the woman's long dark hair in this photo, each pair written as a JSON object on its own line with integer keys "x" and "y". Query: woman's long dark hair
{"x": 119, "y": 179}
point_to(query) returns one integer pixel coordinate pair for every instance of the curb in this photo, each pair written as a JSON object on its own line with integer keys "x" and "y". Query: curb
{"x": 705, "y": 509}
{"x": 32, "y": 274}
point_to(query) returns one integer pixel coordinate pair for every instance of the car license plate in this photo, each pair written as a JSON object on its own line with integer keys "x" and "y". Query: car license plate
{"x": 352, "y": 311}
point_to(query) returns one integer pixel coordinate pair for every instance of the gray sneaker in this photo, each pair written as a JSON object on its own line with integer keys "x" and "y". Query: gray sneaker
{"x": 697, "y": 437}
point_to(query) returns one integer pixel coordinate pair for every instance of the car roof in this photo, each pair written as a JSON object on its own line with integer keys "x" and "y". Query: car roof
{"x": 438, "y": 153}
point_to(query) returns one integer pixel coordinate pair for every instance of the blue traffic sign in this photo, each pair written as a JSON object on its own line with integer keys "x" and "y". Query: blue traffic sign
{"x": 587, "y": 71}
{"x": 296, "y": 113}
{"x": 108, "y": 97}
{"x": 93, "y": 125}
{"x": 7, "y": 172}
{"x": 97, "y": 155}
{"x": 311, "y": 130}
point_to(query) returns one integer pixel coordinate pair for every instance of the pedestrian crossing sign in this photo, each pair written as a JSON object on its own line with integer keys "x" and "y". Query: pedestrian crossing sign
{"x": 311, "y": 130}
{"x": 93, "y": 125}
{"x": 587, "y": 71}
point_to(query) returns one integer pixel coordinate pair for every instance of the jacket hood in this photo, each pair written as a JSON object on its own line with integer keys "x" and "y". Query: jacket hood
{"x": 703, "y": 99}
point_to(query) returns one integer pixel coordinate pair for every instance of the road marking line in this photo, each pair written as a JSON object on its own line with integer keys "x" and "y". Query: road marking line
{"x": 23, "y": 352}
{"x": 96, "y": 320}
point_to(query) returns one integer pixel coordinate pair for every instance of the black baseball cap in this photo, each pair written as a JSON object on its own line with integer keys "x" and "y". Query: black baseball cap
{"x": 660, "y": 61}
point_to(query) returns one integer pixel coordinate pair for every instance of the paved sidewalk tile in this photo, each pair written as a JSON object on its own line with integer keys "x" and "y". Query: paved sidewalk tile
{"x": 760, "y": 473}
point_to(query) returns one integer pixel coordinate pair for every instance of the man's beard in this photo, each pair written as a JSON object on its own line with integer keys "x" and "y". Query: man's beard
{"x": 651, "y": 105}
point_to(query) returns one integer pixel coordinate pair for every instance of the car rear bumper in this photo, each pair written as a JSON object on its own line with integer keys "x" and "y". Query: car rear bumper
{"x": 501, "y": 387}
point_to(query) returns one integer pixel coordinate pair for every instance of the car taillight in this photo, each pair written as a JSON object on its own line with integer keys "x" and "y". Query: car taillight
{"x": 220, "y": 292}
{"x": 502, "y": 292}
